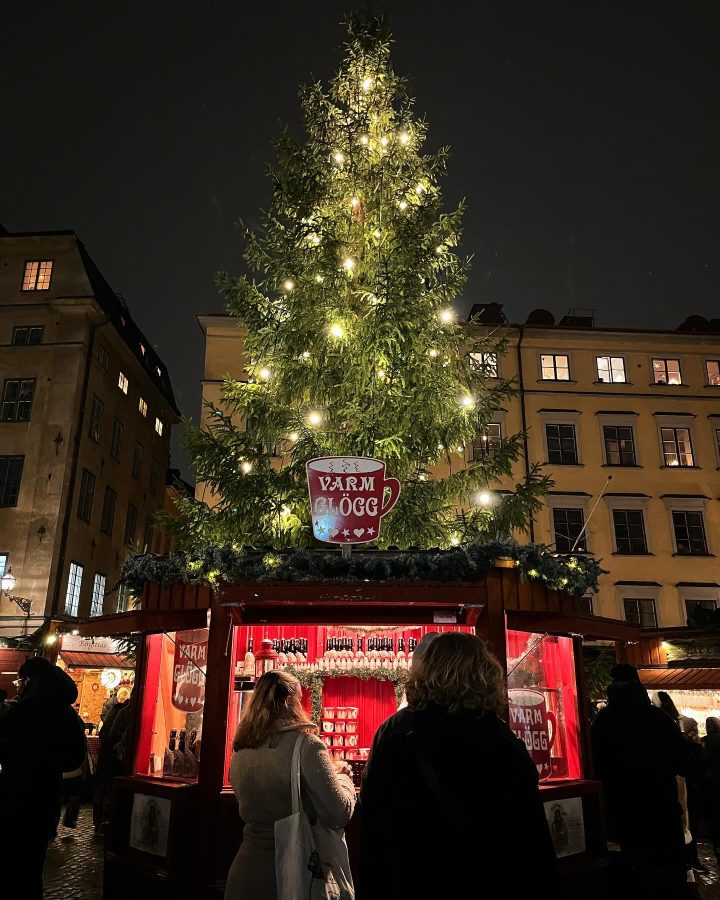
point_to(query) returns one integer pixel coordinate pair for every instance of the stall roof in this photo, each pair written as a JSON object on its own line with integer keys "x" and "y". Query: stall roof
{"x": 590, "y": 627}
{"x": 681, "y": 679}
{"x": 80, "y": 660}
{"x": 143, "y": 620}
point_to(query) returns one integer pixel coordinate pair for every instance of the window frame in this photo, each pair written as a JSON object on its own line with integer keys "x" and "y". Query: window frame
{"x": 86, "y": 496}
{"x": 16, "y": 403}
{"x": 108, "y": 511}
{"x": 97, "y": 411}
{"x": 5, "y": 491}
{"x": 103, "y": 358}
{"x": 142, "y": 407}
{"x": 610, "y": 359}
{"x": 123, "y": 382}
{"x": 665, "y": 360}
{"x": 486, "y": 445}
{"x": 95, "y": 609}
{"x": 674, "y": 526}
{"x": 137, "y": 460}
{"x": 29, "y": 329}
{"x": 617, "y": 426}
{"x": 627, "y": 511}
{"x": 116, "y": 445}
{"x": 571, "y": 539}
{"x": 663, "y": 452}
{"x": 486, "y": 362}
{"x": 72, "y": 608}
{"x": 561, "y": 425}
{"x": 159, "y": 426}
{"x": 129, "y": 536}
{"x": 639, "y": 618}
{"x": 39, "y": 263}
{"x": 554, "y": 356}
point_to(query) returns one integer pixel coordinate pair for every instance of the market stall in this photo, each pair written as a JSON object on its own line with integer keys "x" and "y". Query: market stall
{"x": 350, "y": 644}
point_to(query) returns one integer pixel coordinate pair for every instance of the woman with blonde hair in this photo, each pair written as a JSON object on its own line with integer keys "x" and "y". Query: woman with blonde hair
{"x": 450, "y": 801}
{"x": 260, "y": 776}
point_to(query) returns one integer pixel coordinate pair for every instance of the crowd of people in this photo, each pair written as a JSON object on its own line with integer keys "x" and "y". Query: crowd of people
{"x": 450, "y": 797}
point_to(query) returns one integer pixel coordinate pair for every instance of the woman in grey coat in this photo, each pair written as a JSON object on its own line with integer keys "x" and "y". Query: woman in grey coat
{"x": 260, "y": 776}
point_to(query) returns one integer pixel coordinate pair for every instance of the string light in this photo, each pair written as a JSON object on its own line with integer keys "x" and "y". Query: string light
{"x": 355, "y": 202}
{"x": 384, "y": 141}
{"x": 483, "y": 498}
{"x": 403, "y": 204}
{"x": 288, "y": 284}
{"x": 264, "y": 373}
{"x": 314, "y": 239}
{"x": 373, "y": 299}
{"x": 294, "y": 436}
{"x": 419, "y": 188}
{"x": 319, "y": 279}
{"x": 440, "y": 249}
{"x": 246, "y": 467}
{"x": 376, "y": 233}
{"x": 455, "y": 540}
{"x": 404, "y": 137}
{"x": 349, "y": 263}
{"x": 306, "y": 354}
{"x": 339, "y": 158}
{"x": 367, "y": 84}
{"x": 337, "y": 331}
{"x": 285, "y": 511}
{"x": 314, "y": 418}
{"x": 467, "y": 401}
{"x": 364, "y": 139}
{"x": 446, "y": 315}
{"x": 381, "y": 373}
{"x": 432, "y": 352}
{"x": 460, "y": 449}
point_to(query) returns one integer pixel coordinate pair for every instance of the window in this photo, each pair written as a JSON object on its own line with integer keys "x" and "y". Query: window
{"x": 561, "y": 445}
{"x": 123, "y": 595}
{"x": 640, "y": 612}
{"x": 487, "y": 363}
{"x": 158, "y": 426}
{"x": 689, "y": 529}
{"x": 11, "y": 468}
{"x": 107, "y": 519}
{"x": 25, "y": 335}
{"x": 666, "y": 371}
{"x": 3, "y": 563}
{"x": 142, "y": 406}
{"x": 584, "y": 604}
{"x": 611, "y": 369}
{"x": 148, "y": 535}
{"x": 96, "y": 414}
{"x": 712, "y": 371}
{"x": 37, "y": 275}
{"x": 154, "y": 478}
{"x": 103, "y": 358}
{"x": 17, "y": 399}
{"x": 117, "y": 439}
{"x": 72, "y": 597}
{"x": 568, "y": 524}
{"x": 619, "y": 445}
{"x": 87, "y": 490}
{"x": 123, "y": 383}
{"x": 629, "y": 531}
{"x": 98, "y": 595}
{"x": 130, "y": 524}
{"x": 677, "y": 448}
{"x": 691, "y": 606}
{"x": 137, "y": 459}
{"x": 554, "y": 367}
{"x": 488, "y": 442}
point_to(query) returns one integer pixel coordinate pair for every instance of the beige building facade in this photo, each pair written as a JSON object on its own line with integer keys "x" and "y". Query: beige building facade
{"x": 626, "y": 423}
{"x": 85, "y": 423}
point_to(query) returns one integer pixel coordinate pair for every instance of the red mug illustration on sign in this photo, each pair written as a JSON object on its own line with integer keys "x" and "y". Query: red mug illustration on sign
{"x": 349, "y": 495}
{"x": 535, "y": 725}
{"x": 189, "y": 670}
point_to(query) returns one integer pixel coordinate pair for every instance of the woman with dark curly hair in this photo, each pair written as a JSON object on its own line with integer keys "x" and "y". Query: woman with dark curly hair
{"x": 450, "y": 800}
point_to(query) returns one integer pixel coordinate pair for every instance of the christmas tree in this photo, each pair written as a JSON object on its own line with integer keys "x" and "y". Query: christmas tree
{"x": 352, "y": 343}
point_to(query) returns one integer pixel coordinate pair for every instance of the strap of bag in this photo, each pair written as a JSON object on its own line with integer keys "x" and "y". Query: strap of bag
{"x": 295, "y": 774}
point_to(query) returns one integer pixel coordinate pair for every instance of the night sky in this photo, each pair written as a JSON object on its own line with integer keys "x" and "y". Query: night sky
{"x": 585, "y": 138}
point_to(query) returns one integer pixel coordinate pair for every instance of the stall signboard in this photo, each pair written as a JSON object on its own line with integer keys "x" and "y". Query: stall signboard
{"x": 189, "y": 668}
{"x": 567, "y": 825}
{"x": 349, "y": 495}
{"x": 78, "y": 644}
{"x": 535, "y": 725}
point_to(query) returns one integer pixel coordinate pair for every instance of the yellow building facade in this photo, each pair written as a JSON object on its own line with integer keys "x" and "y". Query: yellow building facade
{"x": 85, "y": 423}
{"x": 627, "y": 425}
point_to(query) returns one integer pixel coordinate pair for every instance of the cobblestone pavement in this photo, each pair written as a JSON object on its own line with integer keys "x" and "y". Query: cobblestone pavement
{"x": 74, "y": 865}
{"x": 73, "y": 869}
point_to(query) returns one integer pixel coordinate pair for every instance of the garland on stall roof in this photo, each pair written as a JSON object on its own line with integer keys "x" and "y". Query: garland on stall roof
{"x": 575, "y": 574}
{"x": 315, "y": 682}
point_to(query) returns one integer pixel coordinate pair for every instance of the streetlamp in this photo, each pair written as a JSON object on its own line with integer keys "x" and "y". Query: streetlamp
{"x": 7, "y": 584}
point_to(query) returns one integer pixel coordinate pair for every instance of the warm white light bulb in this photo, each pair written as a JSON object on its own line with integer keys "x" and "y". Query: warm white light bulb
{"x": 440, "y": 249}
{"x": 339, "y": 158}
{"x": 384, "y": 141}
{"x": 455, "y": 540}
{"x": 246, "y": 467}
{"x": 319, "y": 279}
{"x": 364, "y": 139}
{"x": 403, "y": 204}
{"x": 285, "y": 511}
{"x": 367, "y": 83}
{"x": 264, "y": 373}
{"x": 381, "y": 373}
{"x": 404, "y": 137}
{"x": 419, "y": 188}
{"x": 314, "y": 239}
{"x": 373, "y": 299}
{"x": 336, "y": 331}
{"x": 355, "y": 202}
{"x": 288, "y": 284}
{"x": 294, "y": 436}
{"x": 467, "y": 401}
{"x": 433, "y": 352}
{"x": 376, "y": 233}
{"x": 446, "y": 315}
{"x": 349, "y": 263}
{"x": 460, "y": 449}
{"x": 314, "y": 418}
{"x": 483, "y": 498}
{"x": 306, "y": 354}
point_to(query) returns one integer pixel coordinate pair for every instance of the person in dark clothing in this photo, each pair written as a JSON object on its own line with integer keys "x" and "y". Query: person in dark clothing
{"x": 667, "y": 704}
{"x": 711, "y": 752}
{"x": 449, "y": 790}
{"x": 107, "y": 767}
{"x": 696, "y": 790}
{"x": 639, "y": 751}
{"x": 40, "y": 738}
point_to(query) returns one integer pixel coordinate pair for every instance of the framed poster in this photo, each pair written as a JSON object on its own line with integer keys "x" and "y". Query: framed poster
{"x": 567, "y": 825}
{"x": 150, "y": 824}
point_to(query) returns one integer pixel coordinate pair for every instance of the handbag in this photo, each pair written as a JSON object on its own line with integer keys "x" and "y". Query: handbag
{"x": 311, "y": 861}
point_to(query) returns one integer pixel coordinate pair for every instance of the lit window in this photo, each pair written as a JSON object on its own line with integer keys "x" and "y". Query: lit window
{"x": 142, "y": 349}
{"x": 37, "y": 275}
{"x": 554, "y": 367}
{"x": 3, "y": 563}
{"x": 712, "y": 368}
{"x": 72, "y": 597}
{"x": 158, "y": 426}
{"x": 641, "y": 612}
{"x": 666, "y": 371}
{"x": 619, "y": 445}
{"x": 611, "y": 369}
{"x": 487, "y": 363}
{"x": 123, "y": 596}
{"x": 142, "y": 406}
{"x": 123, "y": 383}
{"x": 98, "y": 595}
{"x": 677, "y": 447}
{"x": 488, "y": 442}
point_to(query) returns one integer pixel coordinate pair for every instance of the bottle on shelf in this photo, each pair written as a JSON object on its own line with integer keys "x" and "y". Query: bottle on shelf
{"x": 190, "y": 763}
{"x": 169, "y": 754}
{"x": 249, "y": 662}
{"x": 178, "y": 762}
{"x": 281, "y": 652}
{"x": 401, "y": 657}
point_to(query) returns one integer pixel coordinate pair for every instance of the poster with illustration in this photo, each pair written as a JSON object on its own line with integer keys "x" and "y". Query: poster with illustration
{"x": 567, "y": 826}
{"x": 150, "y": 824}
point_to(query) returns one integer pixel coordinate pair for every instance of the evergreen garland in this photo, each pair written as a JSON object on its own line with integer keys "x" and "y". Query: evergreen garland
{"x": 315, "y": 682}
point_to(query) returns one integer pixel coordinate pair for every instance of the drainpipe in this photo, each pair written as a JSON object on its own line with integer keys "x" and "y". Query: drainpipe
{"x": 521, "y": 385}
{"x": 73, "y": 470}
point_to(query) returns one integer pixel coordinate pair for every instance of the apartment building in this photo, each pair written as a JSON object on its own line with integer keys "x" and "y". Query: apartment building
{"x": 85, "y": 422}
{"x": 627, "y": 424}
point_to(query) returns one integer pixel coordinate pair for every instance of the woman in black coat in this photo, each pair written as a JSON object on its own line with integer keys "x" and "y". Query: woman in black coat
{"x": 711, "y": 749}
{"x": 450, "y": 800}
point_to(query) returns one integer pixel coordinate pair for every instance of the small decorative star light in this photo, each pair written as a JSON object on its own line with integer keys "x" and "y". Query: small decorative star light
{"x": 288, "y": 284}
{"x": 440, "y": 249}
{"x": 314, "y": 418}
{"x": 319, "y": 279}
{"x": 246, "y": 467}
{"x": 455, "y": 540}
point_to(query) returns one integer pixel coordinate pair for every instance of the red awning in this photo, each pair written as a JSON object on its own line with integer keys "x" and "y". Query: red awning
{"x": 81, "y": 660}
{"x": 679, "y": 679}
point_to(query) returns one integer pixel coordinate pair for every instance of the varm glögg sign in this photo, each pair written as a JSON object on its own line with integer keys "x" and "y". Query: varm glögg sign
{"x": 349, "y": 495}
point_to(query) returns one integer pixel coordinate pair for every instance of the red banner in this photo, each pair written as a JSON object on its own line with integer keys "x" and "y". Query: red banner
{"x": 188, "y": 691}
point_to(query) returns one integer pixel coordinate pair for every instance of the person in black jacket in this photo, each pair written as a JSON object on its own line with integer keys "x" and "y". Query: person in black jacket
{"x": 450, "y": 797}
{"x": 639, "y": 751}
{"x": 41, "y": 737}
{"x": 711, "y": 752}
